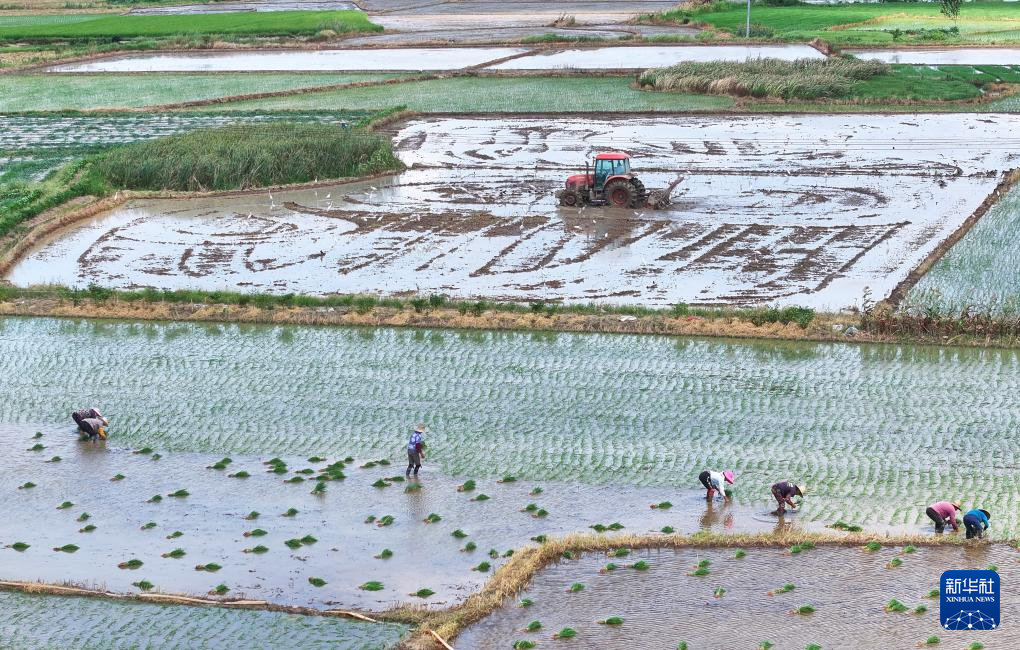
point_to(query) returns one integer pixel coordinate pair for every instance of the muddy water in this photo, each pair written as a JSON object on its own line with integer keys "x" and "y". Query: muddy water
{"x": 947, "y": 56}
{"x": 252, "y": 5}
{"x": 643, "y": 57}
{"x": 878, "y": 431}
{"x": 764, "y": 215}
{"x": 212, "y": 520}
{"x": 663, "y": 605}
{"x": 89, "y": 623}
{"x": 409, "y": 59}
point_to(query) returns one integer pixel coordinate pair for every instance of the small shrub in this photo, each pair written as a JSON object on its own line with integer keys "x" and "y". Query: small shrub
{"x": 895, "y": 606}
{"x": 144, "y": 585}
{"x": 482, "y": 567}
{"x": 257, "y": 550}
{"x": 566, "y": 633}
{"x": 574, "y": 588}
{"x": 175, "y": 554}
{"x": 130, "y": 564}
{"x": 466, "y": 486}
{"x": 219, "y": 590}
{"x": 372, "y": 585}
{"x": 317, "y": 582}
{"x": 384, "y": 554}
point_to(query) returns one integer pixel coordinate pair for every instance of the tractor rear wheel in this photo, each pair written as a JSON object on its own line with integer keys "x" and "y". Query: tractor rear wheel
{"x": 622, "y": 194}
{"x": 570, "y": 198}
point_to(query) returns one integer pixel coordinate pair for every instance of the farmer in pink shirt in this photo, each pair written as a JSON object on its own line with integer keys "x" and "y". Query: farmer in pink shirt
{"x": 944, "y": 511}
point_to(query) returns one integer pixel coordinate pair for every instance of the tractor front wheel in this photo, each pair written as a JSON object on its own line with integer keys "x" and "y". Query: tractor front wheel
{"x": 622, "y": 194}
{"x": 570, "y": 198}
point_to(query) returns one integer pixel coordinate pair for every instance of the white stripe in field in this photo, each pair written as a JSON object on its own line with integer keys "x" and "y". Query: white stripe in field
{"x": 611, "y": 58}
{"x": 946, "y": 56}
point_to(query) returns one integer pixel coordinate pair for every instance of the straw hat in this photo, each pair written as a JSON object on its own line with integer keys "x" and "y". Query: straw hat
{"x": 958, "y": 506}
{"x": 987, "y": 514}
{"x": 420, "y": 428}
{"x": 102, "y": 433}
{"x": 728, "y": 475}
{"x": 801, "y": 489}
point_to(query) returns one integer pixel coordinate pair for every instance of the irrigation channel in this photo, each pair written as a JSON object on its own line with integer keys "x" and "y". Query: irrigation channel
{"x": 849, "y": 206}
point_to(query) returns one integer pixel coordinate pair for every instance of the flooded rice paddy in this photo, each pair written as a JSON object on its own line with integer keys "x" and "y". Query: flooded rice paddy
{"x": 29, "y": 624}
{"x": 651, "y": 56}
{"x": 662, "y": 606}
{"x": 247, "y": 5}
{"x": 817, "y": 211}
{"x": 879, "y": 432}
{"x": 947, "y": 56}
{"x": 212, "y": 522}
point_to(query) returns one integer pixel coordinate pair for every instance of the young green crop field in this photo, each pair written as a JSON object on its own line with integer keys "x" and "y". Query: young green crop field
{"x": 54, "y": 92}
{"x": 278, "y": 23}
{"x": 863, "y": 23}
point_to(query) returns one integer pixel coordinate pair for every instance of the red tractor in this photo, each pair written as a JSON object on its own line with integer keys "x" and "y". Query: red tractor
{"x": 612, "y": 183}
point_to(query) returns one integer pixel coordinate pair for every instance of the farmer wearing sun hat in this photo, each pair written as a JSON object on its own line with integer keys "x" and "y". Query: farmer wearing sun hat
{"x": 976, "y": 522}
{"x": 944, "y": 511}
{"x": 415, "y": 450}
{"x": 784, "y": 491}
{"x": 715, "y": 481}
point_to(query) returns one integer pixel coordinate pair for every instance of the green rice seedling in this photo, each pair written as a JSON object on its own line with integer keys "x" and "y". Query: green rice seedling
{"x": 373, "y": 585}
{"x": 616, "y": 526}
{"x": 179, "y": 494}
{"x": 20, "y": 546}
{"x": 175, "y": 554}
{"x": 699, "y": 572}
{"x": 668, "y": 530}
{"x": 320, "y": 488}
{"x": 384, "y": 554}
{"x": 932, "y": 640}
{"x": 788, "y": 587}
{"x": 908, "y": 549}
{"x": 241, "y": 474}
{"x": 469, "y": 547}
{"x": 37, "y": 447}
{"x": 719, "y": 592}
{"x": 766, "y": 645}
{"x": 38, "y": 434}
{"x": 143, "y": 450}
{"x": 317, "y": 582}
{"x": 619, "y": 552}
{"x": 65, "y": 505}
{"x": 992, "y": 567}
{"x": 569, "y": 555}
{"x": 217, "y": 466}
{"x": 566, "y": 633}
{"x": 118, "y": 477}
{"x": 795, "y": 549}
{"x": 293, "y": 543}
{"x": 212, "y": 567}
{"x": 481, "y": 497}
{"x": 466, "y": 486}
{"x": 369, "y": 465}
{"x": 895, "y": 606}
{"x": 609, "y": 567}
{"x": 523, "y": 644}
{"x": 459, "y": 534}
{"x": 541, "y": 539}
{"x": 507, "y": 479}
{"x": 531, "y": 507}
{"x": 132, "y": 564}
{"x": 611, "y": 621}
{"x": 525, "y": 602}
{"x": 295, "y": 479}
{"x": 175, "y": 534}
{"x": 432, "y": 518}
{"x": 87, "y": 529}
{"x": 574, "y": 588}
{"x": 976, "y": 645}
{"x": 704, "y": 564}
{"x": 308, "y": 540}
{"x": 394, "y": 479}
{"x": 55, "y": 459}
{"x": 308, "y": 470}
{"x": 369, "y": 519}
{"x": 599, "y": 528}
{"x": 682, "y": 646}
{"x": 412, "y": 487}
{"x": 424, "y": 592}
{"x": 316, "y": 459}
{"x": 872, "y": 546}
{"x": 804, "y": 610}
{"x": 385, "y": 520}
{"x": 148, "y": 526}
{"x": 807, "y": 546}
{"x": 349, "y": 459}
{"x": 84, "y": 517}
{"x": 219, "y": 590}
{"x": 662, "y": 505}
{"x": 894, "y": 563}
{"x": 493, "y": 553}
{"x": 482, "y": 567}
{"x": 278, "y": 469}
{"x": 257, "y": 550}
{"x": 540, "y": 513}
{"x": 383, "y": 461}
{"x": 535, "y": 491}
{"x": 508, "y": 553}
{"x": 291, "y": 512}
{"x": 252, "y": 516}
{"x": 274, "y": 461}
{"x": 156, "y": 456}
{"x": 932, "y": 595}
{"x": 740, "y": 554}
{"x": 640, "y": 565}
{"x": 144, "y": 585}
{"x": 812, "y": 646}
{"x": 27, "y": 485}
{"x": 920, "y": 609}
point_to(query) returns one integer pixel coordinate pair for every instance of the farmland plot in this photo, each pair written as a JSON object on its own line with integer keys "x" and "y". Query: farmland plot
{"x": 819, "y": 211}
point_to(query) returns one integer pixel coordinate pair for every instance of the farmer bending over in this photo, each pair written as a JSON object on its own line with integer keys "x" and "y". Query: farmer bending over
{"x": 976, "y": 523}
{"x": 784, "y": 491}
{"x": 91, "y": 423}
{"x": 715, "y": 482}
{"x": 415, "y": 450}
{"x": 942, "y": 512}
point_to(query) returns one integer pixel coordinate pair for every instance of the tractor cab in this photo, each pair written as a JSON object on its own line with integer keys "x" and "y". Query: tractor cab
{"x": 608, "y": 181}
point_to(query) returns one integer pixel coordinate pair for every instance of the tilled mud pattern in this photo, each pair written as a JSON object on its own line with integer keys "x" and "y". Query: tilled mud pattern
{"x": 904, "y": 426}
{"x": 810, "y": 210}
{"x": 90, "y": 623}
{"x": 662, "y": 605}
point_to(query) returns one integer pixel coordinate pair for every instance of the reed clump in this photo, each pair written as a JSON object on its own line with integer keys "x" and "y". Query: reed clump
{"x": 761, "y": 78}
